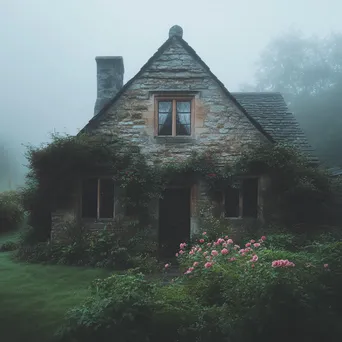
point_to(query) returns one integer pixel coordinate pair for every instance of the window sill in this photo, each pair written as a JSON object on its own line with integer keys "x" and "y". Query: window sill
{"x": 240, "y": 218}
{"x": 174, "y": 139}
{"x": 94, "y": 220}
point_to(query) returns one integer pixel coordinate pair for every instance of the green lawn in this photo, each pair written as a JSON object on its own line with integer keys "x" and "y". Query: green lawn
{"x": 34, "y": 298}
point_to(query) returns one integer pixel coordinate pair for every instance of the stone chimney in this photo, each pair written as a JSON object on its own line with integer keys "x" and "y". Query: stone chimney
{"x": 110, "y": 74}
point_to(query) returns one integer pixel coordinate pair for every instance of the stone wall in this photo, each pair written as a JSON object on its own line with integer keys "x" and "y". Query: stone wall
{"x": 219, "y": 124}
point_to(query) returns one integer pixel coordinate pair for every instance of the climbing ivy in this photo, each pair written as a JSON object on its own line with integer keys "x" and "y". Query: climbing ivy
{"x": 55, "y": 168}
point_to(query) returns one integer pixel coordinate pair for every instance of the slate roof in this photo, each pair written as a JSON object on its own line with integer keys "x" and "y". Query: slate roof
{"x": 271, "y": 111}
{"x": 335, "y": 171}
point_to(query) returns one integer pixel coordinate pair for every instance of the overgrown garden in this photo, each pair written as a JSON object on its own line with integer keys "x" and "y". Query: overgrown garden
{"x": 284, "y": 285}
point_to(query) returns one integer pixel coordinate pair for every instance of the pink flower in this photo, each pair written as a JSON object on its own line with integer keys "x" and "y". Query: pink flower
{"x": 326, "y": 265}
{"x": 204, "y": 233}
{"x": 224, "y": 251}
{"x": 254, "y": 258}
{"x": 208, "y": 264}
{"x": 226, "y": 237}
{"x": 181, "y": 252}
{"x": 230, "y": 241}
{"x": 199, "y": 250}
{"x": 256, "y": 245}
{"x": 263, "y": 238}
{"x": 189, "y": 270}
{"x": 241, "y": 251}
{"x": 232, "y": 259}
{"x": 209, "y": 244}
{"x": 195, "y": 264}
{"x": 248, "y": 244}
{"x": 214, "y": 252}
{"x": 167, "y": 265}
{"x": 219, "y": 241}
{"x": 201, "y": 240}
{"x": 177, "y": 254}
{"x": 224, "y": 244}
{"x": 205, "y": 253}
{"x": 252, "y": 241}
{"x": 282, "y": 263}
{"x": 191, "y": 252}
{"x": 182, "y": 245}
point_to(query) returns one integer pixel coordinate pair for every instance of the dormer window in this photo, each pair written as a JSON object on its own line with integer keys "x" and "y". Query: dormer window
{"x": 174, "y": 116}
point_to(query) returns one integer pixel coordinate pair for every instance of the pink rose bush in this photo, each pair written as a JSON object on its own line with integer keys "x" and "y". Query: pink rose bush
{"x": 206, "y": 254}
{"x": 223, "y": 255}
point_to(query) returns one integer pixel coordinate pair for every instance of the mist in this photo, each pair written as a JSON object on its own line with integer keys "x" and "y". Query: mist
{"x": 48, "y": 70}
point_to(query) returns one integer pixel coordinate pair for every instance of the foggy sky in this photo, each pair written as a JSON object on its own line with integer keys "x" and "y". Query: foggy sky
{"x": 48, "y": 49}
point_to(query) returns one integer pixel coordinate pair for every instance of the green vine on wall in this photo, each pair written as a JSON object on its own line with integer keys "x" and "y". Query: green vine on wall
{"x": 55, "y": 168}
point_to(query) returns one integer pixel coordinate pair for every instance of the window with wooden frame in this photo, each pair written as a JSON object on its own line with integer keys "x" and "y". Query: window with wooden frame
{"x": 174, "y": 116}
{"x": 242, "y": 201}
{"x": 98, "y": 198}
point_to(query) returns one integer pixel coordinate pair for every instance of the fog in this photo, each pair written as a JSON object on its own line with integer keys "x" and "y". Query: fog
{"x": 47, "y": 61}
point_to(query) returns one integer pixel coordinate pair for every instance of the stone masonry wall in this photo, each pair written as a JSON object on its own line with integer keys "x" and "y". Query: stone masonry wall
{"x": 219, "y": 125}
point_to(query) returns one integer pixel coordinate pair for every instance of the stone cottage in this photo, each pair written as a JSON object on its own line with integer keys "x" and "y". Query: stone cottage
{"x": 172, "y": 106}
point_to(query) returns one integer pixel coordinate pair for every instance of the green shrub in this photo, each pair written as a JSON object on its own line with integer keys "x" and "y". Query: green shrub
{"x": 105, "y": 249}
{"x": 243, "y": 299}
{"x": 132, "y": 309}
{"x": 260, "y": 300}
{"x": 11, "y": 211}
{"x": 119, "y": 307}
{"x": 9, "y": 246}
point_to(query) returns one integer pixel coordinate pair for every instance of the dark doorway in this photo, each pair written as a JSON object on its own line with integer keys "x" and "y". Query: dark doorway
{"x": 174, "y": 220}
{"x": 250, "y": 198}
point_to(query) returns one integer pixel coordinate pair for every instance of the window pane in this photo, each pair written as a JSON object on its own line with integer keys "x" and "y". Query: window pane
{"x": 231, "y": 203}
{"x": 250, "y": 198}
{"x": 89, "y": 198}
{"x": 183, "y": 106}
{"x": 183, "y": 117}
{"x": 106, "y": 198}
{"x": 165, "y": 118}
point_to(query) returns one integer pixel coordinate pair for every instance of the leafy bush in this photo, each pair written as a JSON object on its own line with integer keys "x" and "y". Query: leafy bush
{"x": 227, "y": 293}
{"x": 11, "y": 211}
{"x": 9, "y": 246}
{"x": 301, "y": 192}
{"x": 105, "y": 249}
{"x": 267, "y": 293}
{"x": 119, "y": 306}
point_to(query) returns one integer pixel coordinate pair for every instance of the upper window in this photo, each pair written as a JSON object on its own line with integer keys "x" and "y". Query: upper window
{"x": 98, "y": 198}
{"x": 174, "y": 117}
{"x": 242, "y": 201}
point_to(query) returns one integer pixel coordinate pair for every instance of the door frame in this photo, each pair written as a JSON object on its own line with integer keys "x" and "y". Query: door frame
{"x": 192, "y": 189}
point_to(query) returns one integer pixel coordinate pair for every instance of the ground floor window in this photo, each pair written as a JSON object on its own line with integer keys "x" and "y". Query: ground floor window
{"x": 241, "y": 200}
{"x": 98, "y": 198}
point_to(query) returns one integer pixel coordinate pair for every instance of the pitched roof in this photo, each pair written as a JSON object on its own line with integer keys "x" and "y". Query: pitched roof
{"x": 271, "y": 111}
{"x": 268, "y": 112}
{"x": 191, "y": 52}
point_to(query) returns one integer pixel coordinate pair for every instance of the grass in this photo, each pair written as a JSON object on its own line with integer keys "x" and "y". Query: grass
{"x": 34, "y": 298}
{"x": 9, "y": 236}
